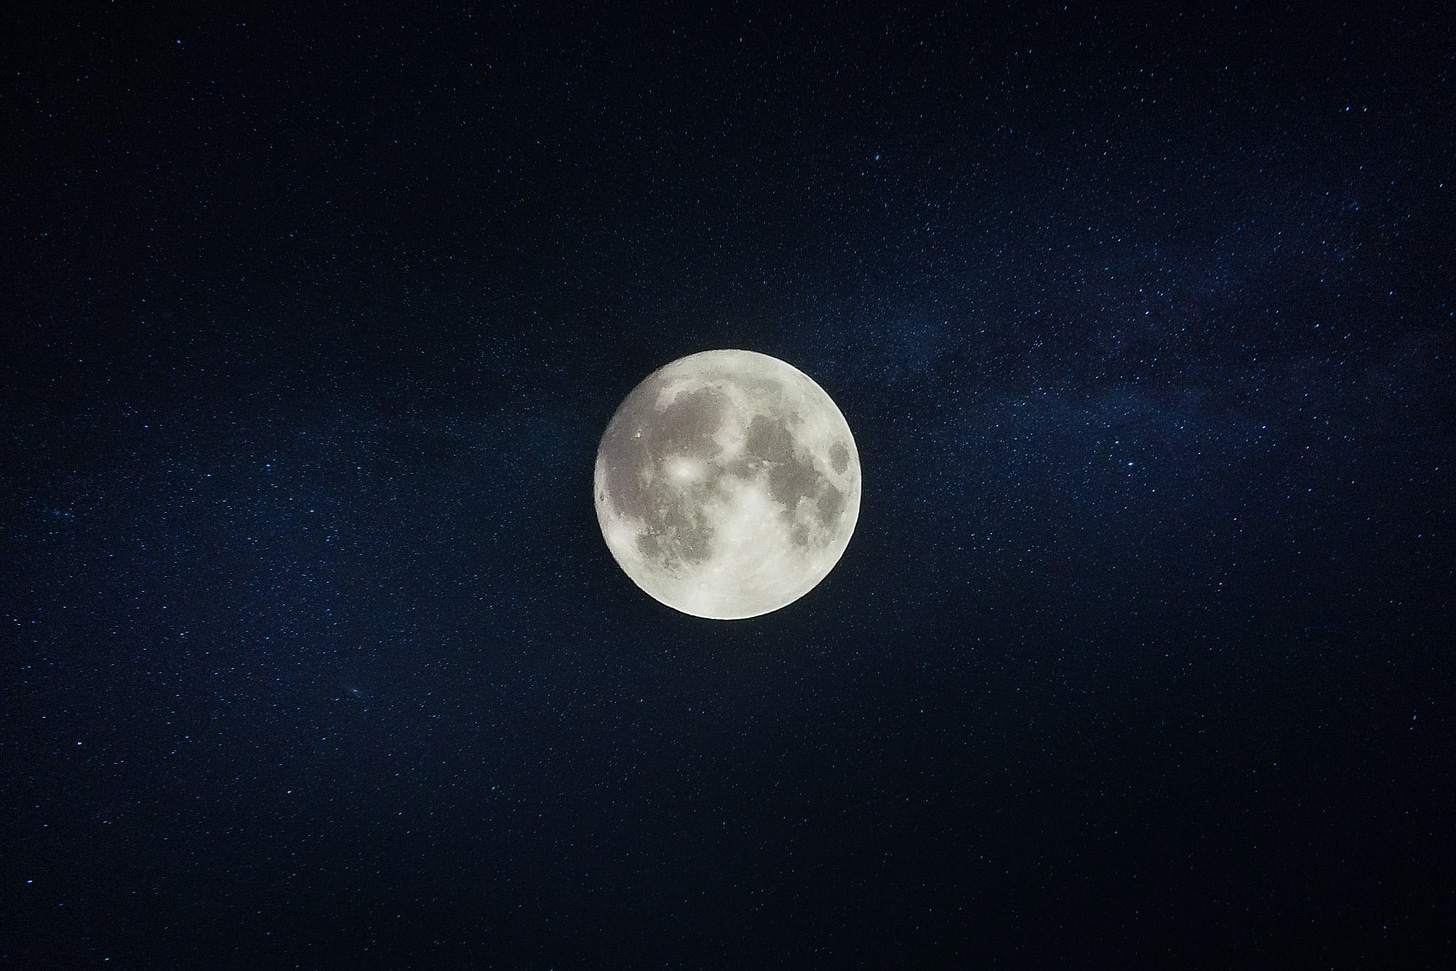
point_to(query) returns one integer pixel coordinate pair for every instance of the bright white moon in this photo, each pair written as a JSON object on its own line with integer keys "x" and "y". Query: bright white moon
{"x": 727, "y": 484}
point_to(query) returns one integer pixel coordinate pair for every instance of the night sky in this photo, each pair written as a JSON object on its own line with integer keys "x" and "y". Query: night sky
{"x": 1140, "y": 656}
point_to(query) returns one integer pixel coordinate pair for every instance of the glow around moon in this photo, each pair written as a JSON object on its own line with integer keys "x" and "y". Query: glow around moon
{"x": 727, "y": 484}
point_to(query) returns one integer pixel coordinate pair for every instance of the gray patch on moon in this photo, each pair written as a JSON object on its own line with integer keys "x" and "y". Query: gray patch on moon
{"x": 831, "y": 504}
{"x": 642, "y": 438}
{"x": 676, "y": 538}
{"x": 790, "y": 478}
{"x": 641, "y": 444}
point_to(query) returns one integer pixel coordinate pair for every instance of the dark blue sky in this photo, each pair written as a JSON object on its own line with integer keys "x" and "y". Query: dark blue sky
{"x": 1140, "y": 654}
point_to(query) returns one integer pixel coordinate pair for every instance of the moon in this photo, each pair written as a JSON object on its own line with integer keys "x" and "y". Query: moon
{"x": 727, "y": 484}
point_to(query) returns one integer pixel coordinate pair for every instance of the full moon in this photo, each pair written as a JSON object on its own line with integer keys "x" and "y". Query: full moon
{"x": 727, "y": 484}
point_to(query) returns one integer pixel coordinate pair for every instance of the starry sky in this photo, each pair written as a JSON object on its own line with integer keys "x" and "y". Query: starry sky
{"x": 311, "y": 320}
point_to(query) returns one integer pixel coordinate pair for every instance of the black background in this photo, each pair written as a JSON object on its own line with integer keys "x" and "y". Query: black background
{"x": 310, "y": 320}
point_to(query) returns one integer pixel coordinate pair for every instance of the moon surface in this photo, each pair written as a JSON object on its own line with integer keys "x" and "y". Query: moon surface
{"x": 727, "y": 484}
